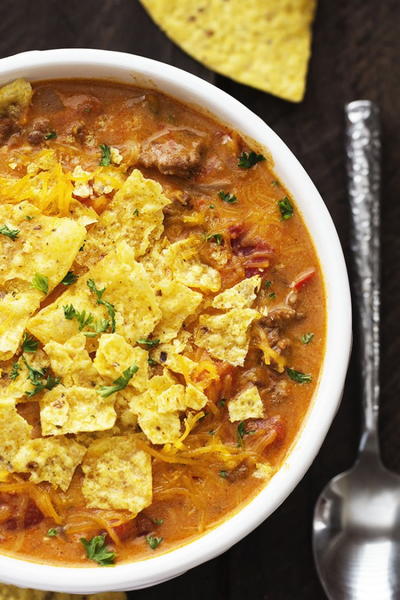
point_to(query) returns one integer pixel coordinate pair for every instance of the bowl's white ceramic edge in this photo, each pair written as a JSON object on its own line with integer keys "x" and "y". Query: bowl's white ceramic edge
{"x": 124, "y": 67}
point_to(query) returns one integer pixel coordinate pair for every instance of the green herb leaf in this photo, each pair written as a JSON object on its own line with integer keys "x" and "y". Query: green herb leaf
{"x": 217, "y": 238}
{"x": 223, "y": 474}
{"x": 306, "y": 338}
{"x": 70, "y": 278}
{"x": 99, "y": 295}
{"x": 118, "y": 384}
{"x": 34, "y": 374}
{"x": 148, "y": 342}
{"x": 158, "y": 521}
{"x": 136, "y": 212}
{"x": 96, "y": 550}
{"x": 152, "y": 362}
{"x": 11, "y": 233}
{"x": 226, "y": 197}
{"x": 69, "y": 311}
{"x": 286, "y": 208}
{"x": 211, "y": 206}
{"x": 221, "y": 402}
{"x": 29, "y": 344}
{"x": 298, "y": 376}
{"x": 99, "y": 326}
{"x": 15, "y": 371}
{"x": 52, "y": 532}
{"x": 249, "y": 159}
{"x": 37, "y": 378}
{"x": 51, "y": 135}
{"x": 241, "y": 432}
{"x": 105, "y": 160}
{"x": 153, "y": 541}
{"x": 275, "y": 183}
{"x": 267, "y": 284}
{"x": 272, "y": 295}
{"x": 28, "y": 218}
{"x": 41, "y": 283}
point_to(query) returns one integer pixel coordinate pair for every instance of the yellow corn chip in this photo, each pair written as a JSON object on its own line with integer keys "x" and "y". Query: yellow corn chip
{"x": 182, "y": 261}
{"x": 75, "y": 409}
{"x": 177, "y": 302}
{"x": 241, "y": 295}
{"x": 114, "y": 355}
{"x": 71, "y": 361}
{"x": 52, "y": 459}
{"x": 117, "y": 475}
{"x": 262, "y": 43}
{"x": 14, "y": 432}
{"x": 226, "y": 336}
{"x": 15, "y": 310}
{"x": 10, "y": 592}
{"x": 246, "y": 405}
{"x": 14, "y": 97}
{"x": 160, "y": 428}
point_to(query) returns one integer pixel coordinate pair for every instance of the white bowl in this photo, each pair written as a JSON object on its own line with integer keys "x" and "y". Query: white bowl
{"x": 69, "y": 63}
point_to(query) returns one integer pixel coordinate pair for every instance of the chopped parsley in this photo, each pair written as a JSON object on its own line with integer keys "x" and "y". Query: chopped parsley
{"x": 241, "y": 432}
{"x": 217, "y": 238}
{"x": 96, "y": 550}
{"x": 249, "y": 159}
{"x": 136, "y": 212}
{"x": 152, "y": 362}
{"x": 15, "y": 370}
{"x": 52, "y": 532}
{"x": 226, "y": 197}
{"x": 286, "y": 208}
{"x": 272, "y": 295}
{"x": 70, "y": 278}
{"x": 11, "y": 233}
{"x": 118, "y": 384}
{"x": 51, "y": 135}
{"x": 86, "y": 319}
{"x": 41, "y": 283}
{"x": 223, "y": 474}
{"x": 29, "y": 344}
{"x": 221, "y": 402}
{"x": 39, "y": 379}
{"x": 105, "y": 160}
{"x": 158, "y": 521}
{"x": 298, "y": 376}
{"x": 275, "y": 183}
{"x": 306, "y": 338}
{"x": 148, "y": 342}
{"x": 212, "y": 206}
{"x": 267, "y": 284}
{"x": 99, "y": 295}
{"x": 153, "y": 541}
{"x": 28, "y": 218}
{"x": 69, "y": 311}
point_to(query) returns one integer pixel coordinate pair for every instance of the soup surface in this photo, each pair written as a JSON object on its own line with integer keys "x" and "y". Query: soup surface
{"x": 162, "y": 322}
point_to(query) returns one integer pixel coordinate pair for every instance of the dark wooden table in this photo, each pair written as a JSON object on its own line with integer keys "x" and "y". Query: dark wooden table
{"x": 356, "y": 53}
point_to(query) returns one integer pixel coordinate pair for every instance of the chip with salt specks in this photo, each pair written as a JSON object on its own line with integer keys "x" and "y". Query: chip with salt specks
{"x": 127, "y": 288}
{"x": 241, "y": 295}
{"x": 16, "y": 388}
{"x": 160, "y": 428}
{"x": 226, "y": 336}
{"x": 177, "y": 302}
{"x": 163, "y": 395}
{"x": 52, "y": 459}
{"x": 114, "y": 355}
{"x": 134, "y": 215}
{"x": 71, "y": 361}
{"x": 15, "y": 97}
{"x": 10, "y": 592}
{"x": 75, "y": 409}
{"x": 262, "y": 43}
{"x": 14, "y": 432}
{"x": 117, "y": 475}
{"x": 246, "y": 405}
{"x": 15, "y": 310}
{"x": 194, "y": 398}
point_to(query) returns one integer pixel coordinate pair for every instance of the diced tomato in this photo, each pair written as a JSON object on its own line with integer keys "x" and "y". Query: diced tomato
{"x": 303, "y": 278}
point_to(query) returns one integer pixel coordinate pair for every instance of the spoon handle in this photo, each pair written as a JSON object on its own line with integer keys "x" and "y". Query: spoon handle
{"x": 363, "y": 170}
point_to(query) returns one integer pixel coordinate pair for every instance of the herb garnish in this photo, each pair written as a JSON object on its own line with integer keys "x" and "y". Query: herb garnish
{"x": 249, "y": 159}
{"x": 241, "y": 432}
{"x": 221, "y": 402}
{"x": 226, "y": 197}
{"x": 41, "y": 283}
{"x": 29, "y": 344}
{"x": 158, "y": 521}
{"x": 39, "y": 380}
{"x": 306, "y": 338}
{"x": 51, "y": 135}
{"x": 223, "y": 474}
{"x": 298, "y": 376}
{"x": 136, "y": 212}
{"x": 286, "y": 208}
{"x": 96, "y": 549}
{"x": 275, "y": 183}
{"x": 152, "y": 362}
{"x": 267, "y": 284}
{"x": 99, "y": 295}
{"x": 11, "y": 233}
{"x": 153, "y": 541}
{"x": 15, "y": 370}
{"x": 217, "y": 238}
{"x": 52, "y": 532}
{"x": 272, "y": 295}
{"x": 148, "y": 342}
{"x": 69, "y": 278}
{"x": 119, "y": 384}
{"x": 105, "y": 160}
{"x": 86, "y": 320}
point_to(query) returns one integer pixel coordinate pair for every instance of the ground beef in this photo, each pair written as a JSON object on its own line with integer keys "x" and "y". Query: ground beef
{"x": 83, "y": 103}
{"x": 273, "y": 426}
{"x": 174, "y": 153}
{"x": 7, "y": 128}
{"x": 37, "y": 134}
{"x": 279, "y": 316}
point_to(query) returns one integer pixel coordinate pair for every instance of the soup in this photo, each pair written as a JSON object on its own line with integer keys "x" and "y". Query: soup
{"x": 162, "y": 322}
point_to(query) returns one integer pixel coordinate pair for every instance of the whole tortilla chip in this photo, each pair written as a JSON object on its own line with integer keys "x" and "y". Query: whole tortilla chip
{"x": 10, "y": 592}
{"x": 262, "y": 43}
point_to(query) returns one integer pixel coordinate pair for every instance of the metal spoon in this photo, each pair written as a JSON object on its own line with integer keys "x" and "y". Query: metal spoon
{"x": 356, "y": 528}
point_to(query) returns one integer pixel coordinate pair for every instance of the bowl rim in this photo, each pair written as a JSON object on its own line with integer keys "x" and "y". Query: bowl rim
{"x": 119, "y": 66}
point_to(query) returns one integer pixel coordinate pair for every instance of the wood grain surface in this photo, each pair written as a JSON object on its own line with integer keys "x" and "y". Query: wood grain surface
{"x": 356, "y": 53}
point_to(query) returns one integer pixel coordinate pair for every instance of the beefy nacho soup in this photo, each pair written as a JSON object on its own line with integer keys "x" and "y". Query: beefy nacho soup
{"x": 161, "y": 322}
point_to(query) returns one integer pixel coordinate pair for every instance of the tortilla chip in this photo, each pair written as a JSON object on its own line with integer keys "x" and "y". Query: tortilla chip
{"x": 246, "y": 405}
{"x": 182, "y": 261}
{"x": 262, "y": 43}
{"x": 117, "y": 475}
{"x": 75, "y": 409}
{"x": 14, "y": 432}
{"x": 194, "y": 398}
{"x": 51, "y": 459}
{"x": 10, "y": 592}
{"x": 226, "y": 336}
{"x": 241, "y": 295}
{"x": 160, "y": 428}
{"x": 114, "y": 355}
{"x": 177, "y": 302}
{"x": 264, "y": 471}
{"x": 71, "y": 361}
{"x": 15, "y": 97}
{"x": 15, "y": 310}
{"x": 16, "y": 388}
